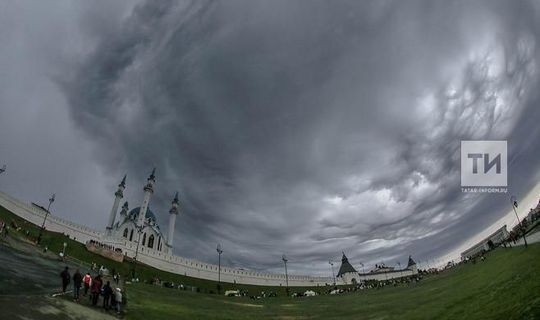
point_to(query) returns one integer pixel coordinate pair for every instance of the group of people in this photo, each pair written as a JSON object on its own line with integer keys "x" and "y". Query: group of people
{"x": 104, "y": 246}
{"x": 112, "y": 298}
{"x": 3, "y": 228}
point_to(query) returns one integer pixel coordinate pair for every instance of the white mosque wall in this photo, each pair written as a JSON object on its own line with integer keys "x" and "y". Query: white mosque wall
{"x": 176, "y": 264}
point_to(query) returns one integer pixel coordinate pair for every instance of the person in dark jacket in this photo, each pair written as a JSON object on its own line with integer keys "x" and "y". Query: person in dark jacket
{"x": 66, "y": 277}
{"x": 107, "y": 292}
{"x": 77, "y": 282}
{"x": 96, "y": 289}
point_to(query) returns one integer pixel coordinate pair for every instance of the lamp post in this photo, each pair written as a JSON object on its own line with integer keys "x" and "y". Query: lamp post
{"x": 363, "y": 271}
{"x": 51, "y": 200}
{"x": 514, "y": 206}
{"x": 139, "y": 231}
{"x": 219, "y": 251}
{"x": 64, "y": 251}
{"x": 284, "y": 258}
{"x": 333, "y": 274}
{"x": 400, "y": 271}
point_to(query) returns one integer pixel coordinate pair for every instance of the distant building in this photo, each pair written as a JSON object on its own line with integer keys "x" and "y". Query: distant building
{"x": 487, "y": 243}
{"x": 534, "y": 214}
{"x": 348, "y": 274}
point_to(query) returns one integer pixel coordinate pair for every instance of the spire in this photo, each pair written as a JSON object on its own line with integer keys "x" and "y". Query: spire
{"x": 174, "y": 204}
{"x": 123, "y": 183}
{"x": 153, "y": 174}
{"x": 411, "y": 262}
{"x": 172, "y": 221}
{"x": 345, "y": 267}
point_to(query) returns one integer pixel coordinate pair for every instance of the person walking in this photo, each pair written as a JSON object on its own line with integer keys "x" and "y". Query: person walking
{"x": 107, "y": 292}
{"x": 118, "y": 298}
{"x": 96, "y": 289}
{"x": 77, "y": 281}
{"x": 66, "y": 277}
{"x": 87, "y": 280}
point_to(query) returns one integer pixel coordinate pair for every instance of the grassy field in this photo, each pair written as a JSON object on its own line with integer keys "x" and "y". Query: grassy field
{"x": 504, "y": 286}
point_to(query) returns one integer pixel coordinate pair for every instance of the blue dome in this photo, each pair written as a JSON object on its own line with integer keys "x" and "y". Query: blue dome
{"x": 134, "y": 213}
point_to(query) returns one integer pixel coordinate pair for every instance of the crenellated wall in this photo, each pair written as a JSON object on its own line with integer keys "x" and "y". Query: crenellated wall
{"x": 177, "y": 264}
{"x": 36, "y": 215}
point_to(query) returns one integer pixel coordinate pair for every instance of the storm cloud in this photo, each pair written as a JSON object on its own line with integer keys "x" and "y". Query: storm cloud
{"x": 306, "y": 127}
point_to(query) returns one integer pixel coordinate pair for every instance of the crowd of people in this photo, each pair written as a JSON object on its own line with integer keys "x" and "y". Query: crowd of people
{"x": 104, "y": 246}
{"x": 3, "y": 228}
{"x": 95, "y": 288}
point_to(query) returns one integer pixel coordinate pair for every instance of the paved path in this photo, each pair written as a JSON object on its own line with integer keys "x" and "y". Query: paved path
{"x": 28, "y": 280}
{"x": 45, "y": 307}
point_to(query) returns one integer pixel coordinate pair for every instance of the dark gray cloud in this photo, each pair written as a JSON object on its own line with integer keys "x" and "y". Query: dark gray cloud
{"x": 307, "y": 127}
{"x": 41, "y": 145}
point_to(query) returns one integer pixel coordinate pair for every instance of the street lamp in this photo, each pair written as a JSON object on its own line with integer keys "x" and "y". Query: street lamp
{"x": 400, "y": 271}
{"x": 363, "y": 271}
{"x": 64, "y": 252}
{"x": 333, "y": 274}
{"x": 219, "y": 251}
{"x": 284, "y": 258}
{"x": 514, "y": 206}
{"x": 51, "y": 200}
{"x": 139, "y": 231}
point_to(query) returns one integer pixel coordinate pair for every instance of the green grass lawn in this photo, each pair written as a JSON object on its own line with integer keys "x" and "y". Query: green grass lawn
{"x": 505, "y": 286}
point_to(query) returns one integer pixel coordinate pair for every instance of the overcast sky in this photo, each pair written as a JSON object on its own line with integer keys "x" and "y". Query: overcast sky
{"x": 300, "y": 127}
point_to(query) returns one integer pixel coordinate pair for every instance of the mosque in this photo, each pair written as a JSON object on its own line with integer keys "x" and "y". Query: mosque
{"x": 139, "y": 225}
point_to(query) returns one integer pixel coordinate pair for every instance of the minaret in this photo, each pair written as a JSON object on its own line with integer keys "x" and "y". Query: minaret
{"x": 172, "y": 221}
{"x": 119, "y": 194}
{"x": 124, "y": 210}
{"x": 148, "y": 190}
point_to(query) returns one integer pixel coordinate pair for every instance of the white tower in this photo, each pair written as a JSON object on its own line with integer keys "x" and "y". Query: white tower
{"x": 148, "y": 190}
{"x": 119, "y": 194}
{"x": 124, "y": 210}
{"x": 172, "y": 221}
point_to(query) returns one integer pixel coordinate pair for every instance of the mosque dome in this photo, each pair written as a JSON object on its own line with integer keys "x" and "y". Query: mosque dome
{"x": 134, "y": 214}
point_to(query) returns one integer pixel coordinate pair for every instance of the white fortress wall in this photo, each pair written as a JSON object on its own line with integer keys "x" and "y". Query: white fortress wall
{"x": 208, "y": 271}
{"x": 36, "y": 215}
{"x": 172, "y": 263}
{"x": 379, "y": 276}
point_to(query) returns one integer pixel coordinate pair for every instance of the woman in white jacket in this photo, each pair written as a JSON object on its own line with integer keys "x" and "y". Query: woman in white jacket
{"x": 118, "y": 298}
